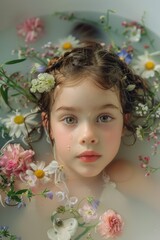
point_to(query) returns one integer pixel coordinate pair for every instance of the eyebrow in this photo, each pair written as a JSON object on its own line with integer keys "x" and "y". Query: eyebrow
{"x": 73, "y": 109}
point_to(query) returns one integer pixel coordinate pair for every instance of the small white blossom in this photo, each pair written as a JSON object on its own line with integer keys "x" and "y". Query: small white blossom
{"x": 139, "y": 133}
{"x": 157, "y": 113}
{"x": 43, "y": 83}
{"x": 141, "y": 109}
{"x": 134, "y": 34}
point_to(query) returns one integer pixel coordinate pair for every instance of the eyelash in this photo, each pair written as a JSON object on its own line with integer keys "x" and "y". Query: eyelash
{"x": 109, "y": 118}
{"x": 74, "y": 120}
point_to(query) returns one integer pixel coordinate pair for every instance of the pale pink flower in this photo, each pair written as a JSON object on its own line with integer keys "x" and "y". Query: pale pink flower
{"x": 31, "y": 29}
{"x": 88, "y": 213}
{"x": 110, "y": 225}
{"x": 15, "y": 160}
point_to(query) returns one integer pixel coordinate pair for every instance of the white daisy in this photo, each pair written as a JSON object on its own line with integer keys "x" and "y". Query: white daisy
{"x": 67, "y": 44}
{"x": 146, "y": 66}
{"x": 18, "y": 123}
{"x": 39, "y": 172}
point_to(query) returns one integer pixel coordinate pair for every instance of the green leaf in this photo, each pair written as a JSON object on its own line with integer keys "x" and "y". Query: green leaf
{"x": 29, "y": 194}
{"x": 16, "y": 198}
{"x": 15, "y": 61}
{"x": 130, "y": 87}
{"x": 4, "y": 93}
{"x": 21, "y": 191}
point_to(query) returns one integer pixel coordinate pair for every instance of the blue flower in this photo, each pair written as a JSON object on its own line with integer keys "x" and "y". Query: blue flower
{"x": 21, "y": 204}
{"x": 125, "y": 56}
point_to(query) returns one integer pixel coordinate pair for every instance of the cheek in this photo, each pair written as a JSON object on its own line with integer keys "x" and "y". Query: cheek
{"x": 63, "y": 140}
{"x": 113, "y": 134}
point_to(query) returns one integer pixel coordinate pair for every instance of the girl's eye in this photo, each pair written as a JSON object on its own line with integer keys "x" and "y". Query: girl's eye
{"x": 104, "y": 118}
{"x": 70, "y": 120}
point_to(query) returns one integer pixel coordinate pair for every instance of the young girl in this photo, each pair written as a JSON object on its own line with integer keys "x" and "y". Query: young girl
{"x": 89, "y": 108}
{"x": 88, "y": 105}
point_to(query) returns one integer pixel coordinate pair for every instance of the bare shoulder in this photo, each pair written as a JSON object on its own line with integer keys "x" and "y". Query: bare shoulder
{"x": 121, "y": 170}
{"x": 131, "y": 180}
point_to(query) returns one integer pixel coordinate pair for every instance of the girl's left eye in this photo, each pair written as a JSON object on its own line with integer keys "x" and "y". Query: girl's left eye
{"x": 104, "y": 118}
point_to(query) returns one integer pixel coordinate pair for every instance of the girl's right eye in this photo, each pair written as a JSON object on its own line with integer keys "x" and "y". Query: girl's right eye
{"x": 70, "y": 120}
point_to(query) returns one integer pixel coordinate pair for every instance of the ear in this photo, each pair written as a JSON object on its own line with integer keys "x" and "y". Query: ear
{"x": 126, "y": 120}
{"x": 44, "y": 120}
{"x": 45, "y": 123}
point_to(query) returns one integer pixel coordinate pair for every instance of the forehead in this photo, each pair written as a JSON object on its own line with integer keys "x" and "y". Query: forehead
{"x": 86, "y": 93}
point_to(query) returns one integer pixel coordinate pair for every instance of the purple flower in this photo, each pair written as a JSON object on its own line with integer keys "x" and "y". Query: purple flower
{"x": 87, "y": 212}
{"x": 49, "y": 195}
{"x": 41, "y": 68}
{"x": 95, "y": 203}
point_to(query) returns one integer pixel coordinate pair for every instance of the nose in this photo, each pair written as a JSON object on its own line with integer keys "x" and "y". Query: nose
{"x": 88, "y": 135}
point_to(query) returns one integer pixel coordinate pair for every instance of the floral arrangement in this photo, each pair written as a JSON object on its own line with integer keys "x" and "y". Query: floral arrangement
{"x": 17, "y": 160}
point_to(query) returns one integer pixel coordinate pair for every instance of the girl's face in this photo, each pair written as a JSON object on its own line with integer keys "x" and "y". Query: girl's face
{"x": 86, "y": 125}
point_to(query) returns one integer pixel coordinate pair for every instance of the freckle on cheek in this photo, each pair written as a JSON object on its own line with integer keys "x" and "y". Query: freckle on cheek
{"x": 64, "y": 141}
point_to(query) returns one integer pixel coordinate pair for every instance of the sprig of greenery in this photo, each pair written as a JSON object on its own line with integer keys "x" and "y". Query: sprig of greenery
{"x": 9, "y": 83}
{"x": 5, "y": 234}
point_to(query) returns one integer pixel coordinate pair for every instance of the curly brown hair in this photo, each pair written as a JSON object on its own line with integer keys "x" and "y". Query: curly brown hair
{"x": 107, "y": 71}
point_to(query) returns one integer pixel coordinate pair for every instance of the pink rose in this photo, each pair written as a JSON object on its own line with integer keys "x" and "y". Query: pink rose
{"x": 15, "y": 159}
{"x": 11, "y": 165}
{"x": 110, "y": 225}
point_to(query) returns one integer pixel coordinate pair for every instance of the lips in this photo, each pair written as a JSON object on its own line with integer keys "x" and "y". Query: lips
{"x": 89, "y": 156}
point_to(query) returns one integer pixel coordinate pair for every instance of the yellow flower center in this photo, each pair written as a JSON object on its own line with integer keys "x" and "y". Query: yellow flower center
{"x": 67, "y": 45}
{"x": 149, "y": 65}
{"x": 121, "y": 58}
{"x": 39, "y": 173}
{"x": 19, "y": 119}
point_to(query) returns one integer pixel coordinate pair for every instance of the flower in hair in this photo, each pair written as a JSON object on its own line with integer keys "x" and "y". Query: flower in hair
{"x": 43, "y": 83}
{"x": 146, "y": 66}
{"x": 68, "y": 44}
{"x": 125, "y": 56}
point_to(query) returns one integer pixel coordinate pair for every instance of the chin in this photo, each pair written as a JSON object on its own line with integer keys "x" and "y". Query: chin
{"x": 89, "y": 174}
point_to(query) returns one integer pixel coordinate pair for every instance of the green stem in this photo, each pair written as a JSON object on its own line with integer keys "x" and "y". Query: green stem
{"x": 84, "y": 232}
{"x": 147, "y": 34}
{"x": 38, "y": 59}
{"x": 14, "y": 86}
